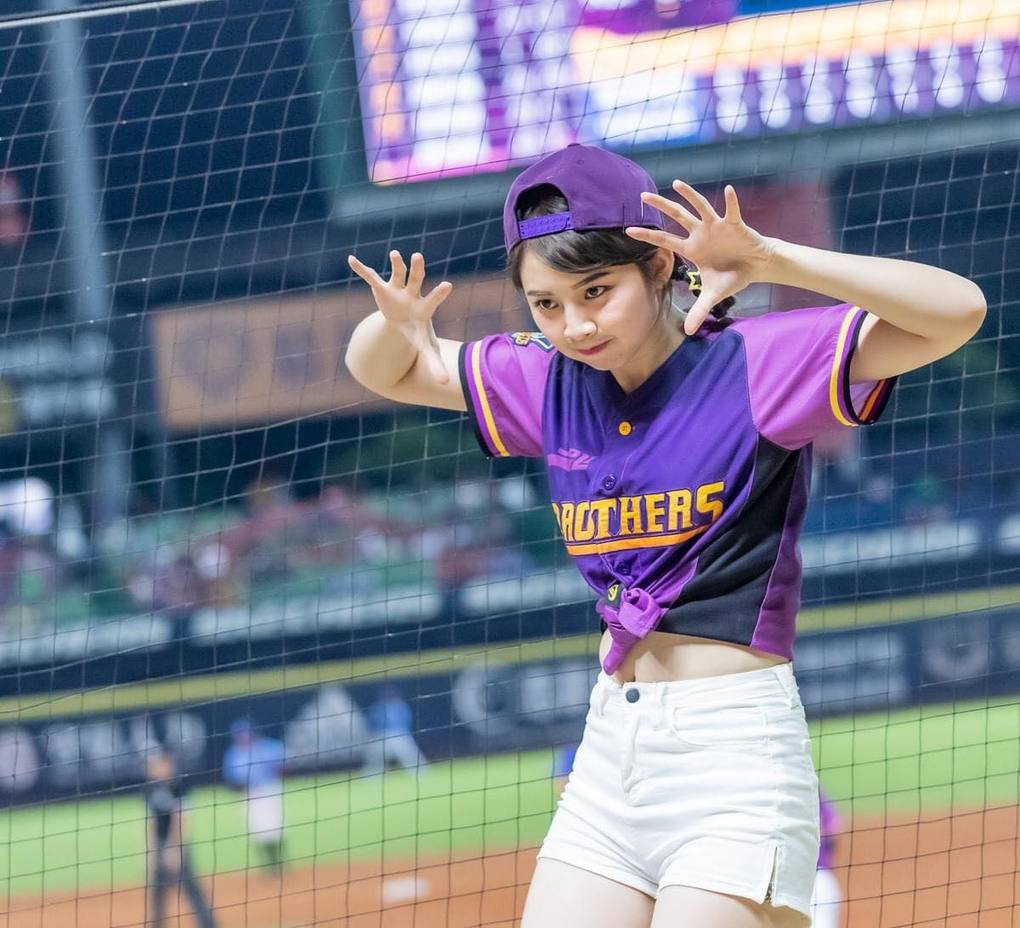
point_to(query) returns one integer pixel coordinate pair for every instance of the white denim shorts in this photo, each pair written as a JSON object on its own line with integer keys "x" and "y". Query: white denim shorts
{"x": 706, "y": 783}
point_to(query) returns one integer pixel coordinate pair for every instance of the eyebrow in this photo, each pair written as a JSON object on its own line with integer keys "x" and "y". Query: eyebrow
{"x": 581, "y": 283}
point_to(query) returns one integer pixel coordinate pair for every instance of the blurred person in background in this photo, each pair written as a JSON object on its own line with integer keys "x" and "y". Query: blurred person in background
{"x": 392, "y": 741}
{"x": 837, "y": 464}
{"x": 41, "y": 546}
{"x": 828, "y": 895}
{"x": 563, "y": 763}
{"x": 281, "y": 534}
{"x": 926, "y": 500}
{"x": 168, "y": 853}
{"x": 254, "y": 764}
{"x": 13, "y": 218}
{"x": 482, "y": 537}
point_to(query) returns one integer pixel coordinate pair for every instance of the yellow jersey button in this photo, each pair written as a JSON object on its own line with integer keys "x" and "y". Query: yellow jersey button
{"x": 625, "y": 428}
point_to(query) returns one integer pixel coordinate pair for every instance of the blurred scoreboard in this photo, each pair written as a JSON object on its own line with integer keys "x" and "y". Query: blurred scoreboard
{"x": 452, "y": 87}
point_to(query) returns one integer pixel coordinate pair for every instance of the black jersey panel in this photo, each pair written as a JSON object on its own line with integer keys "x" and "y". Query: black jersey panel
{"x": 723, "y": 599}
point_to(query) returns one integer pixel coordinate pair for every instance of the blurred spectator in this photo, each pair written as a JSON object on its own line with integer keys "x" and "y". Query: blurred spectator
{"x": 876, "y": 500}
{"x": 926, "y": 500}
{"x": 13, "y": 218}
{"x": 482, "y": 541}
{"x": 254, "y": 764}
{"x": 168, "y": 581}
{"x": 837, "y": 463}
{"x": 30, "y": 568}
{"x": 391, "y": 721}
{"x": 281, "y": 534}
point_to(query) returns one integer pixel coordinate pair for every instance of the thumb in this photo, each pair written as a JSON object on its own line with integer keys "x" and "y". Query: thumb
{"x": 699, "y": 312}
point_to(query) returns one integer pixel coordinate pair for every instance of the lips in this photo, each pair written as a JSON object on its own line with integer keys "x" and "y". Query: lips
{"x": 588, "y": 352}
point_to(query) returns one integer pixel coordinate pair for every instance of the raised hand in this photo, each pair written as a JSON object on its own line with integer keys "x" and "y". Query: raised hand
{"x": 727, "y": 252}
{"x": 400, "y": 300}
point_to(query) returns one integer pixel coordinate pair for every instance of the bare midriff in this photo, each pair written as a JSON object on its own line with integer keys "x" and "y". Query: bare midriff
{"x": 661, "y": 657}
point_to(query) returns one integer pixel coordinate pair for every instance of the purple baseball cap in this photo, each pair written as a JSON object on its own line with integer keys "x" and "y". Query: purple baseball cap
{"x": 602, "y": 189}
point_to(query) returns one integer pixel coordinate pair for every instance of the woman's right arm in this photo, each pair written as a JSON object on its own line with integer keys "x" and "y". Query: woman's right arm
{"x": 395, "y": 352}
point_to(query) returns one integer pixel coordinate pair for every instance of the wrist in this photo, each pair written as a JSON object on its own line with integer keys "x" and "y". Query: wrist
{"x": 777, "y": 262}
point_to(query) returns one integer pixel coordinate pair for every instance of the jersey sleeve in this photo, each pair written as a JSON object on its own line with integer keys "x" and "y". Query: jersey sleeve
{"x": 503, "y": 378}
{"x": 798, "y": 374}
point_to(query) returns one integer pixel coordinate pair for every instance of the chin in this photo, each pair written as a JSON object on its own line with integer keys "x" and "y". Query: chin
{"x": 599, "y": 363}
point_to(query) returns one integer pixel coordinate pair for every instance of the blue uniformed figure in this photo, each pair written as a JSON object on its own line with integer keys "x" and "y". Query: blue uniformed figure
{"x": 391, "y": 741}
{"x": 254, "y": 764}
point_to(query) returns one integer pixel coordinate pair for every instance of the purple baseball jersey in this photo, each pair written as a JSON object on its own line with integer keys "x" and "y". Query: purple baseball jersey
{"x": 682, "y": 501}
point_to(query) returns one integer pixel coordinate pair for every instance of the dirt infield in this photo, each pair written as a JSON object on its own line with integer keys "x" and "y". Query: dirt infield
{"x": 957, "y": 870}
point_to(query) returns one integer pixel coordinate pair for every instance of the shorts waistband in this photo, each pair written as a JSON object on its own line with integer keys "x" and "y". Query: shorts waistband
{"x": 764, "y": 682}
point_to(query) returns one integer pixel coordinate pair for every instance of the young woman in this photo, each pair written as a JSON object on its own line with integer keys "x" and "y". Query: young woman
{"x": 678, "y": 454}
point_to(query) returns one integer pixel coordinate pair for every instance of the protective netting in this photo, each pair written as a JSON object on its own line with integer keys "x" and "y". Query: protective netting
{"x": 211, "y": 536}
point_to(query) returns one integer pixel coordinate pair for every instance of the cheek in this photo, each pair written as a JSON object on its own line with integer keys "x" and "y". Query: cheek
{"x": 631, "y": 315}
{"x": 546, "y": 325}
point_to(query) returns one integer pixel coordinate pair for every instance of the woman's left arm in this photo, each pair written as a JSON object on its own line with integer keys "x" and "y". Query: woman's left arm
{"x": 917, "y": 313}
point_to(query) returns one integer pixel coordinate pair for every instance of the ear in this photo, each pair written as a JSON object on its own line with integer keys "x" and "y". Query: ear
{"x": 663, "y": 263}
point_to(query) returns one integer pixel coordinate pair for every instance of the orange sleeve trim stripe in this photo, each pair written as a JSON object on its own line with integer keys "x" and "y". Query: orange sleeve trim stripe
{"x": 624, "y": 544}
{"x": 872, "y": 399}
{"x": 483, "y": 401}
{"x": 835, "y": 376}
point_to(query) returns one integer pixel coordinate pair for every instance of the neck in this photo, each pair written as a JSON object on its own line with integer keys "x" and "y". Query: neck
{"x": 662, "y": 340}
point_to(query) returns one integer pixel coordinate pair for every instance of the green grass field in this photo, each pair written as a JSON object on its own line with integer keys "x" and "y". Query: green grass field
{"x": 965, "y": 755}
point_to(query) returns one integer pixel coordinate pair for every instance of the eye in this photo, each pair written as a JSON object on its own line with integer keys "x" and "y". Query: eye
{"x": 544, "y": 305}
{"x": 593, "y": 293}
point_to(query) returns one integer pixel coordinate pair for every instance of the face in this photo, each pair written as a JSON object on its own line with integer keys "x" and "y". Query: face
{"x": 159, "y": 766}
{"x": 606, "y": 318}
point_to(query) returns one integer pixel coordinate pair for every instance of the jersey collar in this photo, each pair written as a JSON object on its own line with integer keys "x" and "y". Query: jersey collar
{"x": 661, "y": 385}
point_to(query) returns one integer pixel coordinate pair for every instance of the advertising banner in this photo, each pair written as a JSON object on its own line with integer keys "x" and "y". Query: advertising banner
{"x": 276, "y": 358}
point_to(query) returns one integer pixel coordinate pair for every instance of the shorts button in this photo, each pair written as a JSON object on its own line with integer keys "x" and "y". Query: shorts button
{"x": 625, "y": 428}
{"x": 633, "y": 695}
{"x": 608, "y": 482}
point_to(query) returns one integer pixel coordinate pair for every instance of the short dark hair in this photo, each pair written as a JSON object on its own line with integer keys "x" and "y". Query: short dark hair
{"x": 574, "y": 252}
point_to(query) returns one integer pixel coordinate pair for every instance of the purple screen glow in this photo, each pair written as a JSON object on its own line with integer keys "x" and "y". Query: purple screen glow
{"x": 452, "y": 87}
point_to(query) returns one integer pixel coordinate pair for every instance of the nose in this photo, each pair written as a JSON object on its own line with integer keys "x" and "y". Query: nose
{"x": 578, "y": 325}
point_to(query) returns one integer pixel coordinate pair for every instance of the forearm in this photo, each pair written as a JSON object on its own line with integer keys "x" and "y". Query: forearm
{"x": 918, "y": 298}
{"x": 379, "y": 354}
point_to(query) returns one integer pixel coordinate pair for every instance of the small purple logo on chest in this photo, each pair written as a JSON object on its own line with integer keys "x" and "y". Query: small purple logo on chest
{"x": 569, "y": 459}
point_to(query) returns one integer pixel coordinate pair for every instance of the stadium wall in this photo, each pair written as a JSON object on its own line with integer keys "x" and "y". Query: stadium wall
{"x": 464, "y": 702}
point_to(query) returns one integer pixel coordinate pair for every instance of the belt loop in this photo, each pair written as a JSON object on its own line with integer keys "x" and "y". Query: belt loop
{"x": 784, "y": 674}
{"x": 601, "y": 694}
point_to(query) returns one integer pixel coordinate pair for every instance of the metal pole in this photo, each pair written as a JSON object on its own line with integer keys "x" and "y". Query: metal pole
{"x": 81, "y": 236}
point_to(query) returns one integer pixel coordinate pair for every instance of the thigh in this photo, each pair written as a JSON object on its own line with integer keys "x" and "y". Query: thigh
{"x": 685, "y": 905}
{"x": 567, "y": 896}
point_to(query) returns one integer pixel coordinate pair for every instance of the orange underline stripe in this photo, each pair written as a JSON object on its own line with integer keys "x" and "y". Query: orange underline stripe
{"x": 644, "y": 541}
{"x": 872, "y": 399}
